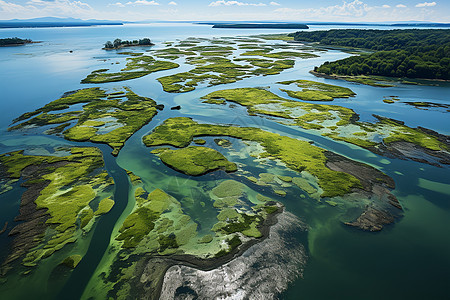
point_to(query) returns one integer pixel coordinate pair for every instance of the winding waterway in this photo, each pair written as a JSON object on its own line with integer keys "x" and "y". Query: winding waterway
{"x": 410, "y": 259}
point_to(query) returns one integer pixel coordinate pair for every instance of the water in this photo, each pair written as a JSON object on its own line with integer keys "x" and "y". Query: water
{"x": 410, "y": 259}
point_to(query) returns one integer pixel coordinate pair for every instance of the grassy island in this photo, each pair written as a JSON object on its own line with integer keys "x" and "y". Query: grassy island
{"x": 160, "y": 230}
{"x": 104, "y": 118}
{"x": 61, "y": 191}
{"x": 297, "y": 155}
{"x": 316, "y": 91}
{"x": 336, "y": 122}
{"x": 137, "y": 66}
{"x": 195, "y": 160}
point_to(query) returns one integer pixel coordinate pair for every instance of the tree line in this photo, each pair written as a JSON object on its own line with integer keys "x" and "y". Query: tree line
{"x": 14, "y": 41}
{"x": 118, "y": 43}
{"x": 412, "y": 53}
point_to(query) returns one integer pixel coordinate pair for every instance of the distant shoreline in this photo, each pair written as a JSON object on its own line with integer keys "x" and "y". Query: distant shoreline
{"x": 262, "y": 26}
{"x": 4, "y": 25}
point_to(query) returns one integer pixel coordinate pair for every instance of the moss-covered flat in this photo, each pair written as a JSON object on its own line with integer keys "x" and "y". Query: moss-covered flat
{"x": 58, "y": 206}
{"x": 196, "y": 160}
{"x": 333, "y": 175}
{"x": 340, "y": 123}
{"x": 317, "y": 91}
{"x": 137, "y": 66}
{"x": 104, "y": 118}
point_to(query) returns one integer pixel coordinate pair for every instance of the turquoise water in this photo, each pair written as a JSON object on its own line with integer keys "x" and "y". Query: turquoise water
{"x": 410, "y": 259}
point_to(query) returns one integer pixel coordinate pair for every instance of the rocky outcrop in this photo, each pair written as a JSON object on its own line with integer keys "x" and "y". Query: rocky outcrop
{"x": 261, "y": 272}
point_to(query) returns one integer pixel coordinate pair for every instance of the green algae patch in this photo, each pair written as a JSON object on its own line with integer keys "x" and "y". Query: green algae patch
{"x": 336, "y": 122}
{"x": 229, "y": 188}
{"x": 102, "y": 120}
{"x": 401, "y": 132}
{"x": 64, "y": 188}
{"x": 281, "y": 193}
{"x": 212, "y": 73}
{"x": 304, "y": 185}
{"x": 285, "y": 178}
{"x": 137, "y": 66}
{"x": 133, "y": 178}
{"x": 297, "y": 155}
{"x": 195, "y": 160}
{"x": 214, "y": 65}
{"x": 376, "y": 81}
{"x": 276, "y": 37}
{"x": 199, "y": 141}
{"x": 104, "y": 206}
{"x": 206, "y": 239}
{"x": 317, "y": 91}
{"x": 86, "y": 215}
{"x": 157, "y": 223}
{"x": 72, "y": 261}
{"x": 260, "y": 101}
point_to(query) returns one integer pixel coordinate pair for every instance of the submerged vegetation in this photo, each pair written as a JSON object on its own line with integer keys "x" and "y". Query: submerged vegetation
{"x": 213, "y": 63}
{"x": 104, "y": 118}
{"x": 316, "y": 91}
{"x": 202, "y": 222}
{"x": 62, "y": 190}
{"x": 137, "y": 66}
{"x": 297, "y": 155}
{"x": 332, "y": 121}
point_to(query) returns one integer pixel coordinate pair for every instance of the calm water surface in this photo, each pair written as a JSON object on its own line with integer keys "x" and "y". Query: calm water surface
{"x": 410, "y": 259}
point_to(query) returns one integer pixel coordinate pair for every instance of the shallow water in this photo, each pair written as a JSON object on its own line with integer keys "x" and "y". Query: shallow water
{"x": 410, "y": 259}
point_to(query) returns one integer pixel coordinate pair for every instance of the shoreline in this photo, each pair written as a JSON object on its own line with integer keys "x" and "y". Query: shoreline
{"x": 21, "y": 44}
{"x": 203, "y": 264}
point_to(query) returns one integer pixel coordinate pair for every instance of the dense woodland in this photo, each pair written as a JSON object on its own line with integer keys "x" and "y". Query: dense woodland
{"x": 413, "y": 53}
{"x": 118, "y": 43}
{"x": 13, "y": 41}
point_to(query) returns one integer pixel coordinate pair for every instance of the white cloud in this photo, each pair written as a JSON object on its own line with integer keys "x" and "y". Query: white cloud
{"x": 237, "y": 3}
{"x": 355, "y": 9}
{"x": 118, "y": 4}
{"x": 274, "y": 3}
{"x": 40, "y": 8}
{"x": 400, "y": 6}
{"x": 143, "y": 2}
{"x": 385, "y": 6}
{"x": 425, "y": 4}
{"x": 172, "y": 3}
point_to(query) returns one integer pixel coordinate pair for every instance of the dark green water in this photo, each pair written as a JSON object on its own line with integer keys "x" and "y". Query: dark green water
{"x": 407, "y": 260}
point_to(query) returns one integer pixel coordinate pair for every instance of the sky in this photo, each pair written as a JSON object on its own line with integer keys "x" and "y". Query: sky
{"x": 234, "y": 10}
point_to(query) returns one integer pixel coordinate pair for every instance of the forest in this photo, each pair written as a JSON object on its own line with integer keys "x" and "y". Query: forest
{"x": 14, "y": 41}
{"x": 118, "y": 43}
{"x": 412, "y": 53}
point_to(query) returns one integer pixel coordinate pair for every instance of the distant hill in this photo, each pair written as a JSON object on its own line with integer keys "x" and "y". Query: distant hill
{"x": 54, "y": 22}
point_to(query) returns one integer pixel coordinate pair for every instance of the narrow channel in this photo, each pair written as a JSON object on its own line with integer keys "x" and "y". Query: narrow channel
{"x": 74, "y": 287}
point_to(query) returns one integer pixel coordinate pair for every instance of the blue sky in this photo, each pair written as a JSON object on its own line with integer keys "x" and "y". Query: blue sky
{"x": 292, "y": 10}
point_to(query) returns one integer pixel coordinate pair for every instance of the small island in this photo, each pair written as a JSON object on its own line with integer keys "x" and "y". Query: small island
{"x": 14, "y": 42}
{"x": 118, "y": 43}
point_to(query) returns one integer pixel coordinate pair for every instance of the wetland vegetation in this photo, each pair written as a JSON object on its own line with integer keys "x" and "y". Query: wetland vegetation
{"x": 109, "y": 118}
{"x": 200, "y": 191}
